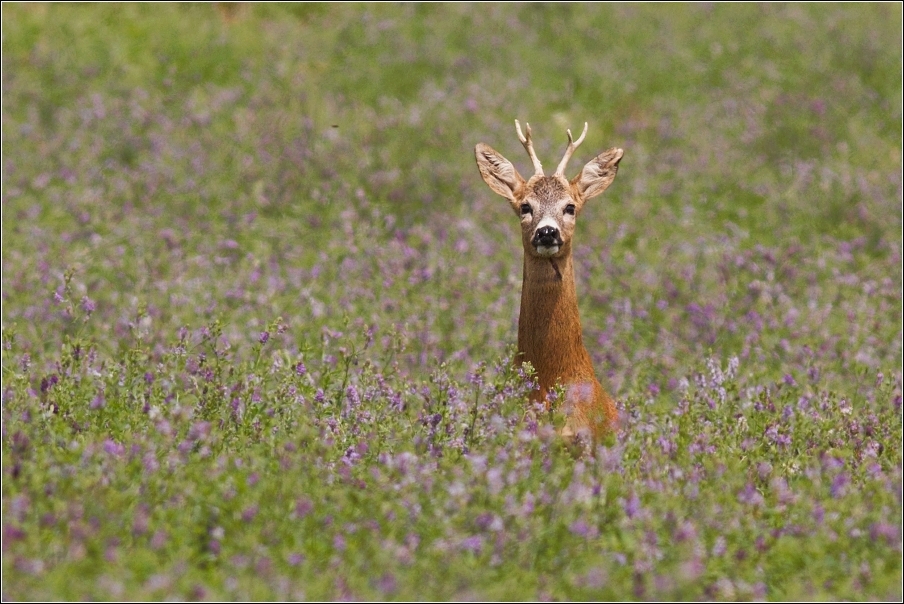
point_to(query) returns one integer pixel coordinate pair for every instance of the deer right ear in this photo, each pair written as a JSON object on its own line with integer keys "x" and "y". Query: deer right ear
{"x": 598, "y": 174}
{"x": 498, "y": 172}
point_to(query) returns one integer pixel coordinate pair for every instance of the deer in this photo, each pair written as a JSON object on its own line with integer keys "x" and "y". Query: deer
{"x": 550, "y": 337}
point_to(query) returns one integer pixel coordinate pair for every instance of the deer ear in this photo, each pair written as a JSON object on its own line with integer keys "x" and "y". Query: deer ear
{"x": 598, "y": 174}
{"x": 498, "y": 172}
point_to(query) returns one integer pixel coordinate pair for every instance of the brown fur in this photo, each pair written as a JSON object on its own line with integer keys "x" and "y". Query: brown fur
{"x": 549, "y": 187}
{"x": 551, "y": 339}
{"x": 549, "y": 326}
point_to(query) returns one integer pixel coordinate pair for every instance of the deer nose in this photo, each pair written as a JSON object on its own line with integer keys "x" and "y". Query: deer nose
{"x": 547, "y": 236}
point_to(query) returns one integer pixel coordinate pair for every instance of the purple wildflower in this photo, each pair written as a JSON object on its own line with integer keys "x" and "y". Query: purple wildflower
{"x": 158, "y": 541}
{"x": 473, "y": 544}
{"x": 249, "y": 513}
{"x": 883, "y": 530}
{"x": 751, "y": 496}
{"x": 387, "y": 583}
{"x": 719, "y": 547}
{"x": 632, "y": 506}
{"x": 113, "y": 448}
{"x": 12, "y": 533}
{"x": 339, "y": 542}
{"x": 580, "y": 528}
{"x": 303, "y": 507}
{"x": 49, "y": 382}
{"x": 819, "y": 513}
{"x": 150, "y": 463}
{"x": 295, "y": 559}
{"x": 839, "y": 485}
{"x": 88, "y": 305}
{"x": 198, "y": 431}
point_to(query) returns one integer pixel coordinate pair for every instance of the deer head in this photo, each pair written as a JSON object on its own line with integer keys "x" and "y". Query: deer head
{"x": 547, "y": 205}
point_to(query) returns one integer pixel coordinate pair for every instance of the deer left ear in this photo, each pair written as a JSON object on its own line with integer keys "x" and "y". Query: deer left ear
{"x": 498, "y": 172}
{"x": 598, "y": 174}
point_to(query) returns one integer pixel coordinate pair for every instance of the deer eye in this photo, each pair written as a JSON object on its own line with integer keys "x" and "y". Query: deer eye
{"x": 569, "y": 209}
{"x": 525, "y": 209}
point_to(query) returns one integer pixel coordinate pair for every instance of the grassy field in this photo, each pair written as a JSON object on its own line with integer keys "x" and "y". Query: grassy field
{"x": 259, "y": 308}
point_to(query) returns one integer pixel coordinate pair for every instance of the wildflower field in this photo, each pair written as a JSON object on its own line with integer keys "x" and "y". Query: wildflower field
{"x": 259, "y": 309}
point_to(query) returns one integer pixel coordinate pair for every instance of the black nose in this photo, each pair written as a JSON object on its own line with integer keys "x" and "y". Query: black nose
{"x": 547, "y": 236}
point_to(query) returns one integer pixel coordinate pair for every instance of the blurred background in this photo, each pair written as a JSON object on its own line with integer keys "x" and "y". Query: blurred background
{"x": 187, "y": 163}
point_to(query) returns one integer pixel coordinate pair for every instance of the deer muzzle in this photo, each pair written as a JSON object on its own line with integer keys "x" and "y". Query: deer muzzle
{"x": 547, "y": 241}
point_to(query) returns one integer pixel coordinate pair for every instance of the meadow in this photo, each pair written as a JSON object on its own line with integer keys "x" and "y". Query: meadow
{"x": 259, "y": 309}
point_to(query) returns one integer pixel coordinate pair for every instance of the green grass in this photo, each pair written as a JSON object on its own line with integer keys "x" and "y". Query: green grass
{"x": 179, "y": 180}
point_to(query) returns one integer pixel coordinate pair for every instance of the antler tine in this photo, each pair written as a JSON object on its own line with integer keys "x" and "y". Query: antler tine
{"x": 572, "y": 145}
{"x": 529, "y": 146}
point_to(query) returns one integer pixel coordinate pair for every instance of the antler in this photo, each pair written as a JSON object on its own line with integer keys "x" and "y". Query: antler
{"x": 572, "y": 145}
{"x": 529, "y": 146}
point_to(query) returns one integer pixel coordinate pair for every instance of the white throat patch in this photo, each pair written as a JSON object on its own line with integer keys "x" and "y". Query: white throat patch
{"x": 547, "y": 251}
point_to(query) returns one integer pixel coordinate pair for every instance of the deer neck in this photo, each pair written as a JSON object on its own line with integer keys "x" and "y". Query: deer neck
{"x": 549, "y": 327}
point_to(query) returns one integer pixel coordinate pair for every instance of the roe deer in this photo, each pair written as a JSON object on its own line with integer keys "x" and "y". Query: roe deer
{"x": 549, "y": 328}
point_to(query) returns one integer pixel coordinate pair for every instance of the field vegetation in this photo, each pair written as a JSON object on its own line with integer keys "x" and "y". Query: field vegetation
{"x": 259, "y": 309}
